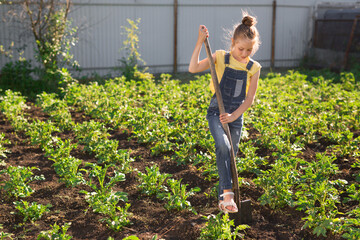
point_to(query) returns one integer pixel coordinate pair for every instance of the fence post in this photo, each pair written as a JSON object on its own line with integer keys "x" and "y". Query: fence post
{"x": 175, "y": 34}
{"x": 272, "y": 64}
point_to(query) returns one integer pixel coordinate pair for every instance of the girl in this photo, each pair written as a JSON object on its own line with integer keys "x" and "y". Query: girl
{"x": 238, "y": 75}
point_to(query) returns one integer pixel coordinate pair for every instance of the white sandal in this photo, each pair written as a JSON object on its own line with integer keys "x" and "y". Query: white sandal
{"x": 223, "y": 204}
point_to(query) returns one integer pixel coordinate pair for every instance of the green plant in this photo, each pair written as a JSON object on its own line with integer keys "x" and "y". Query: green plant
{"x": 33, "y": 211}
{"x": 152, "y": 183}
{"x": 251, "y": 162}
{"x": 130, "y": 69}
{"x": 57, "y": 232}
{"x": 68, "y": 170}
{"x": 94, "y": 136}
{"x": 3, "y": 149}
{"x": 318, "y": 196}
{"x": 351, "y": 225}
{"x": 65, "y": 165}
{"x": 107, "y": 152}
{"x": 177, "y": 196}
{"x": 89, "y": 134}
{"x": 348, "y": 146}
{"x": 12, "y": 104}
{"x": 117, "y": 218}
{"x": 61, "y": 149}
{"x": 18, "y": 183}
{"x": 278, "y": 182}
{"x": 104, "y": 200}
{"x": 220, "y": 227}
{"x": 40, "y": 133}
{"x": 17, "y": 76}
{"x": 98, "y": 172}
{"x": 56, "y": 108}
{"x": 4, "y": 235}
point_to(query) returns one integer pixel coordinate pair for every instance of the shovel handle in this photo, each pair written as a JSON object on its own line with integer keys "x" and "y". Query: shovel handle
{"x": 214, "y": 76}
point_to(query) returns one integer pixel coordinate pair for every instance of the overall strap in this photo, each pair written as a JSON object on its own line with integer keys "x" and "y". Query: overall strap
{"x": 249, "y": 65}
{"x": 227, "y": 58}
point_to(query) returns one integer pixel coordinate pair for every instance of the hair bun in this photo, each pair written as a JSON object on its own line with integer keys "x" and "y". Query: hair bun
{"x": 249, "y": 21}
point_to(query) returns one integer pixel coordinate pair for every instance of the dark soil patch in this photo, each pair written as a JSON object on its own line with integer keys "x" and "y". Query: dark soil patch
{"x": 149, "y": 217}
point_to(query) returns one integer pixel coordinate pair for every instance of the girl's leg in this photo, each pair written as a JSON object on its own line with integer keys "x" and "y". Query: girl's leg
{"x": 223, "y": 147}
{"x": 235, "y": 130}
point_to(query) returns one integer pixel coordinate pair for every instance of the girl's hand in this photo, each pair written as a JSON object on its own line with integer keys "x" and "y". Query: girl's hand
{"x": 203, "y": 33}
{"x": 227, "y": 118}
{"x": 196, "y": 65}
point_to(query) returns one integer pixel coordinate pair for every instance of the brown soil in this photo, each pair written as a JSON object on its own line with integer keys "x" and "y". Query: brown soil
{"x": 149, "y": 217}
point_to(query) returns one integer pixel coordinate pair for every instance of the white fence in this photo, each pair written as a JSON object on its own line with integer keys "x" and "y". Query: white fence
{"x": 100, "y": 38}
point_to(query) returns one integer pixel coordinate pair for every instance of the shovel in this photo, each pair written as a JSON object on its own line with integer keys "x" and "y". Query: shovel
{"x": 244, "y": 215}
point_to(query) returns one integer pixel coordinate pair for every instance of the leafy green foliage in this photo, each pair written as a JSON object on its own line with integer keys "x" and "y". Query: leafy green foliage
{"x": 152, "y": 182}
{"x": 57, "y": 232}
{"x": 61, "y": 149}
{"x": 220, "y": 227}
{"x": 318, "y": 196}
{"x": 12, "y": 104}
{"x": 130, "y": 62}
{"x": 98, "y": 172}
{"x": 18, "y": 183}
{"x": 57, "y": 109}
{"x": 301, "y": 112}
{"x": 94, "y": 136}
{"x": 166, "y": 115}
{"x": 104, "y": 200}
{"x": 117, "y": 218}
{"x": 3, "y": 149}
{"x": 68, "y": 170}
{"x": 65, "y": 165}
{"x": 40, "y": 133}
{"x": 17, "y": 75}
{"x": 251, "y": 162}
{"x": 33, "y": 211}
{"x": 54, "y": 42}
{"x": 278, "y": 182}
{"x": 4, "y": 235}
{"x": 177, "y": 196}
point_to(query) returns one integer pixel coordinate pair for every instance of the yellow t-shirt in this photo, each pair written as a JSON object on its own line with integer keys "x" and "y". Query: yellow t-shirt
{"x": 233, "y": 63}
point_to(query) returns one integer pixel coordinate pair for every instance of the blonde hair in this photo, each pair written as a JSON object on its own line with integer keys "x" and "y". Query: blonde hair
{"x": 247, "y": 29}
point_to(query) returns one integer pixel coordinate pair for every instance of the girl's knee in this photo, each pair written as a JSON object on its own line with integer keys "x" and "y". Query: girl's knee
{"x": 223, "y": 148}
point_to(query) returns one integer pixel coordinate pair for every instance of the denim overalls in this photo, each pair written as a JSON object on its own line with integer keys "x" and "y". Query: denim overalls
{"x": 233, "y": 90}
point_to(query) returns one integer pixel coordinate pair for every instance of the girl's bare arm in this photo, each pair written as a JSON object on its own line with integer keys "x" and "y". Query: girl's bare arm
{"x": 195, "y": 65}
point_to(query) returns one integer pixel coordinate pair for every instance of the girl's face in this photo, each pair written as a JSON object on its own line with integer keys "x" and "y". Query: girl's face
{"x": 242, "y": 49}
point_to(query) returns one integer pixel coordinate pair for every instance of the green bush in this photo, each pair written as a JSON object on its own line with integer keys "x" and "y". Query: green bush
{"x": 17, "y": 76}
{"x": 130, "y": 62}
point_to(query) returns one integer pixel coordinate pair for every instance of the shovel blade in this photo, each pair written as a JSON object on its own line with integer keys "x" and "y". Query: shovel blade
{"x": 244, "y": 215}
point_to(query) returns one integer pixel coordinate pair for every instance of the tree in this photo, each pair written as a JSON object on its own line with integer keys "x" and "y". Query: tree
{"x": 48, "y": 22}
